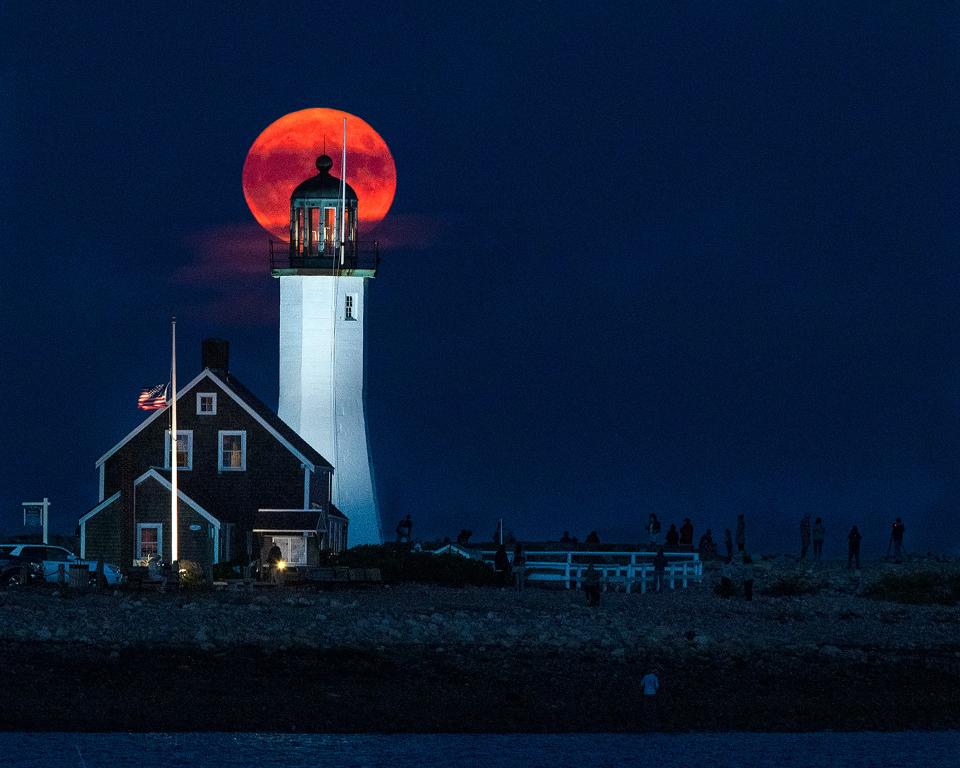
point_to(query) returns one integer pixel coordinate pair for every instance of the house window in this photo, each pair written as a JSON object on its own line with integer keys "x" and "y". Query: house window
{"x": 232, "y": 456}
{"x": 206, "y": 403}
{"x": 293, "y": 549}
{"x": 184, "y": 449}
{"x": 149, "y": 540}
{"x": 350, "y": 306}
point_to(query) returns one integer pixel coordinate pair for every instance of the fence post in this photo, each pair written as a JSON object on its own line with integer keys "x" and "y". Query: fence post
{"x": 684, "y": 575}
{"x": 673, "y": 576}
{"x": 643, "y": 579}
{"x": 631, "y": 573}
{"x": 566, "y": 572}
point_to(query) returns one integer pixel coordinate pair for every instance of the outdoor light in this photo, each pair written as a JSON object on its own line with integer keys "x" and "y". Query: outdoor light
{"x": 281, "y": 564}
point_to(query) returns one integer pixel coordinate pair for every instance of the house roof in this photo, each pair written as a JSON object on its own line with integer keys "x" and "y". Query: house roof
{"x": 268, "y": 415}
{"x": 153, "y": 474}
{"x": 260, "y": 411}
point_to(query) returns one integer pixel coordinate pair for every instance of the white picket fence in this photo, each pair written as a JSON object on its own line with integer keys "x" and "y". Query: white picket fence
{"x": 618, "y": 570}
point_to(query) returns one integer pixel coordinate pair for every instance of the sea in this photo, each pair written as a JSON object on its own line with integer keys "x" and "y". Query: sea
{"x": 717, "y": 750}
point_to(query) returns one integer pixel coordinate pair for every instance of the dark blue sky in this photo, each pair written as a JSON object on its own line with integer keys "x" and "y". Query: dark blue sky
{"x": 687, "y": 258}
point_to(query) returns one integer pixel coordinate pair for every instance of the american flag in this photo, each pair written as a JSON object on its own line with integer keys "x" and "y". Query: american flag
{"x": 153, "y": 399}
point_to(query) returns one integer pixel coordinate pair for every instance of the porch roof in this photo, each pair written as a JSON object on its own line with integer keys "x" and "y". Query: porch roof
{"x": 288, "y": 520}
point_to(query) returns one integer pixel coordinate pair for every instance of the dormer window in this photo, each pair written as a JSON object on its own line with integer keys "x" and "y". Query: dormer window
{"x": 206, "y": 404}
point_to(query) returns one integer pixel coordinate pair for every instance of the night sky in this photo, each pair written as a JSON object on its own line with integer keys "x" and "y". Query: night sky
{"x": 696, "y": 259}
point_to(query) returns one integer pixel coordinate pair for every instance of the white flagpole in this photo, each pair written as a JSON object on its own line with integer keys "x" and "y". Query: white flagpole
{"x": 343, "y": 194}
{"x": 173, "y": 442}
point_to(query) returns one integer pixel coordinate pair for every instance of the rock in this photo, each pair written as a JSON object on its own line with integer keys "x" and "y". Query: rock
{"x": 830, "y": 651}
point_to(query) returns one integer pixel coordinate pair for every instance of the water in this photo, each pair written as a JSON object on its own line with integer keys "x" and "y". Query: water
{"x": 716, "y": 750}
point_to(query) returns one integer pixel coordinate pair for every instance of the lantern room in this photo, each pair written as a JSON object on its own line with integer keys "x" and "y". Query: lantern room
{"x": 323, "y": 230}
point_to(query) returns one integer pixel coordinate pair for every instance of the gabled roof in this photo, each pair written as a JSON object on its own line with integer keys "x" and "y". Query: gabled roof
{"x": 100, "y": 507}
{"x": 277, "y": 425}
{"x": 229, "y": 383}
{"x": 152, "y": 474}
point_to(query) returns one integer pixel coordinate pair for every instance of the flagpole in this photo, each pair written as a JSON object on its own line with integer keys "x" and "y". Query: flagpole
{"x": 343, "y": 194}
{"x": 173, "y": 442}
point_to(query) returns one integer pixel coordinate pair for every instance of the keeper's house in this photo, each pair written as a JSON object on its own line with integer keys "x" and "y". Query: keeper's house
{"x": 245, "y": 481}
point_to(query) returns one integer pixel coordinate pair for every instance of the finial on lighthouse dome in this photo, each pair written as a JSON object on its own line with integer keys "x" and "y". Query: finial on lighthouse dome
{"x": 324, "y": 163}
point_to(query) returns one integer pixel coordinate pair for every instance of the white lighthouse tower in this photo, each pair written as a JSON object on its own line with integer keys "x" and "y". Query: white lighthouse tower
{"x": 323, "y": 275}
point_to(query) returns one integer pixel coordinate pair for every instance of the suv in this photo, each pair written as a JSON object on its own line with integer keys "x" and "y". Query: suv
{"x": 49, "y": 559}
{"x": 11, "y": 570}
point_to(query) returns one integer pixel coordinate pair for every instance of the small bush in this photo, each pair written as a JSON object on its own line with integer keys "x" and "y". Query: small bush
{"x": 229, "y": 570}
{"x": 191, "y": 574}
{"x": 920, "y": 588}
{"x": 794, "y": 586}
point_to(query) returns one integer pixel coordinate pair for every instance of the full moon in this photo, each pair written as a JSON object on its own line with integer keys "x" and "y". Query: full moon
{"x": 285, "y": 153}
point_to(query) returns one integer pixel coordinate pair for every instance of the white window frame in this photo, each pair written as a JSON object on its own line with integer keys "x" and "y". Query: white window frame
{"x": 287, "y": 539}
{"x": 159, "y": 529}
{"x": 166, "y": 449}
{"x": 200, "y": 396}
{"x": 351, "y": 306}
{"x": 243, "y": 450}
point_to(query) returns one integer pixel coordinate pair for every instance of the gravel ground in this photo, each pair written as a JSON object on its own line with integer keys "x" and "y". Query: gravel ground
{"x": 689, "y": 622}
{"x": 484, "y": 659}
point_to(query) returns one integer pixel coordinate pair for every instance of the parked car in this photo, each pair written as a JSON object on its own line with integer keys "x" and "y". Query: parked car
{"x": 49, "y": 559}
{"x": 11, "y": 570}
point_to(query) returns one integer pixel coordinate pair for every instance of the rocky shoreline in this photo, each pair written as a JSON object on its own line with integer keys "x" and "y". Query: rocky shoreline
{"x": 424, "y": 658}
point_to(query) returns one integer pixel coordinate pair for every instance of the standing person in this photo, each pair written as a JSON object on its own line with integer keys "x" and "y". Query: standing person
{"x": 591, "y": 586}
{"x": 650, "y": 684}
{"x": 519, "y": 566}
{"x": 747, "y": 577}
{"x": 707, "y": 548}
{"x": 725, "y": 587}
{"x": 819, "y": 534}
{"x": 728, "y": 544}
{"x": 404, "y": 530}
{"x": 686, "y": 533}
{"x": 896, "y": 537}
{"x": 804, "y": 536}
{"x": 741, "y": 533}
{"x": 501, "y": 565}
{"x": 853, "y": 547}
{"x": 274, "y": 557}
{"x": 653, "y": 529}
{"x": 659, "y": 570}
{"x": 673, "y": 536}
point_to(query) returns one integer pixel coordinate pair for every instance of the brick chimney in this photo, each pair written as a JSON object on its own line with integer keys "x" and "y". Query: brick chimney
{"x": 215, "y": 354}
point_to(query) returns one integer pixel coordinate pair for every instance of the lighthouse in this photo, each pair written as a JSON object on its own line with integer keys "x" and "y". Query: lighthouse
{"x": 323, "y": 274}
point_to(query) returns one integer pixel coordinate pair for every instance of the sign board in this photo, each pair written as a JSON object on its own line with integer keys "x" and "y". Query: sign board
{"x": 36, "y": 515}
{"x": 33, "y": 515}
{"x": 195, "y": 527}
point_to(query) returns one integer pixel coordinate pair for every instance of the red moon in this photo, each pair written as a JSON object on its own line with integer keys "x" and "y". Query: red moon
{"x": 286, "y": 152}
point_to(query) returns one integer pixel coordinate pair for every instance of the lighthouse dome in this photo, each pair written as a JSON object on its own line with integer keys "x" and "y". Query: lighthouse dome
{"x": 323, "y": 185}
